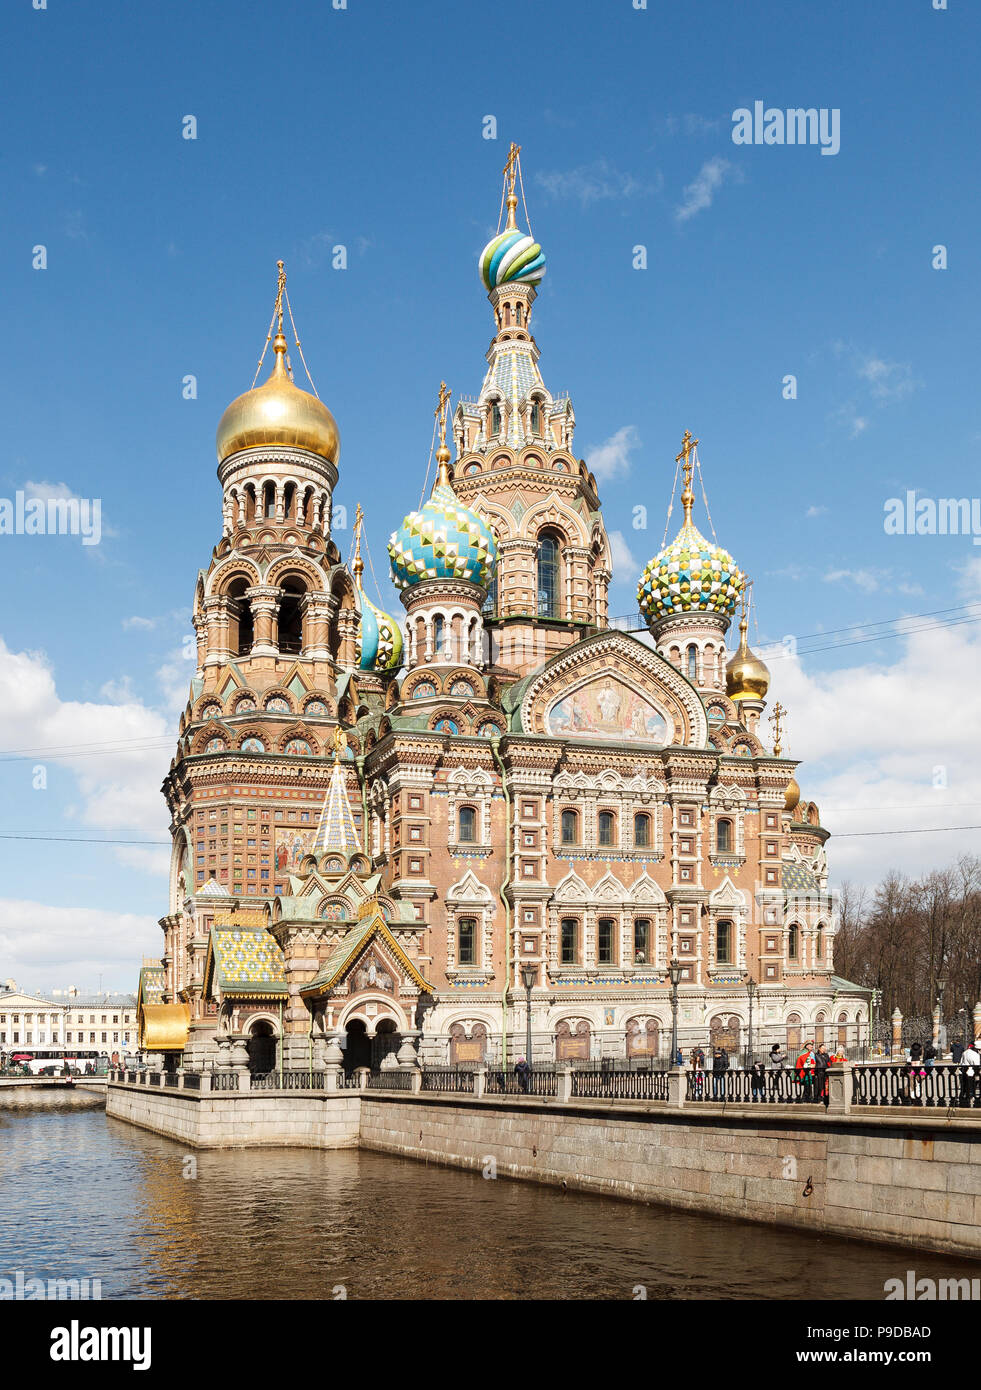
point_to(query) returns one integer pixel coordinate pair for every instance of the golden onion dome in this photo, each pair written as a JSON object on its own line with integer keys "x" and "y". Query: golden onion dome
{"x": 791, "y": 798}
{"x": 277, "y": 412}
{"x": 747, "y": 677}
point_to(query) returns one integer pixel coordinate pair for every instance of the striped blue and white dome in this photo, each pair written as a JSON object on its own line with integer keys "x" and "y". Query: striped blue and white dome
{"x": 379, "y": 643}
{"x": 512, "y": 257}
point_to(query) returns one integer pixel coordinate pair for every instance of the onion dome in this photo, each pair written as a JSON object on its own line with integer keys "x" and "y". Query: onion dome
{"x": 379, "y": 639}
{"x": 747, "y": 678}
{"x": 276, "y": 413}
{"x": 692, "y": 574}
{"x": 512, "y": 257}
{"x": 791, "y": 798}
{"x": 443, "y": 539}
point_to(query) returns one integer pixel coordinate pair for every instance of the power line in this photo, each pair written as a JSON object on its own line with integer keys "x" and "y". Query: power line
{"x": 81, "y": 840}
{"x": 918, "y": 830}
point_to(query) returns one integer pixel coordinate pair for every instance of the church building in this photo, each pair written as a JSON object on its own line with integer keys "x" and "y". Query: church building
{"x": 399, "y": 834}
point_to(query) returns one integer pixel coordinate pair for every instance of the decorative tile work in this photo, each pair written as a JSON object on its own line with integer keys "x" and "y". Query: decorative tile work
{"x": 442, "y": 541}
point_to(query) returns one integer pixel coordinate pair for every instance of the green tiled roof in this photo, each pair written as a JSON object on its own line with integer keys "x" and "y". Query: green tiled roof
{"x": 246, "y": 961}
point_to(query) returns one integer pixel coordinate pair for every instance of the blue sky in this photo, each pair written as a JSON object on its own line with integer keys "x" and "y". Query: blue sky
{"x": 365, "y": 127}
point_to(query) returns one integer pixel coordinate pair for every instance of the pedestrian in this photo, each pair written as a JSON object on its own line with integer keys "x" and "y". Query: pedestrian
{"x": 757, "y": 1080}
{"x": 821, "y": 1064}
{"x": 970, "y": 1062}
{"x": 804, "y": 1070}
{"x": 720, "y": 1065}
{"x": 522, "y": 1071}
{"x": 697, "y": 1062}
{"x": 956, "y": 1052}
{"x": 929, "y": 1055}
{"x": 776, "y": 1061}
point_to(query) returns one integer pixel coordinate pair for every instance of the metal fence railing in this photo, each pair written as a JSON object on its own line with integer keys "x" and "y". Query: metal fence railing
{"x": 617, "y": 1084}
{"x": 916, "y": 1083}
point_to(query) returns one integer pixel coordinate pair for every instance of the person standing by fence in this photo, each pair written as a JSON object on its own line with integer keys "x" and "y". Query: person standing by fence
{"x": 720, "y": 1065}
{"x": 970, "y": 1062}
{"x": 776, "y": 1062}
{"x": 804, "y": 1070}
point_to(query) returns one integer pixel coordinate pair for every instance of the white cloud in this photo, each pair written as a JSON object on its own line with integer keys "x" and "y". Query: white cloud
{"x": 46, "y": 947}
{"x": 118, "y": 750}
{"x": 889, "y": 381}
{"x": 866, "y": 580}
{"x": 143, "y": 624}
{"x": 698, "y": 194}
{"x": 815, "y": 510}
{"x": 872, "y": 738}
{"x": 591, "y": 183}
{"x": 622, "y": 558}
{"x": 612, "y": 458}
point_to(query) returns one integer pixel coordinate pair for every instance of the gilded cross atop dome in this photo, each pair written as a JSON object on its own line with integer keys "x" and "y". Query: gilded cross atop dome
{"x": 776, "y": 719}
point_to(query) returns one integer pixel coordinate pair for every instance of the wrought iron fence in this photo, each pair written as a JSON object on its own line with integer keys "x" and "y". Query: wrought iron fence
{"x": 916, "y": 1083}
{"x": 458, "y": 1079}
{"x": 224, "y": 1080}
{"x": 390, "y": 1081}
{"x": 171, "y": 1078}
{"x": 192, "y": 1081}
{"x": 537, "y": 1081}
{"x": 620, "y": 1084}
{"x": 777, "y": 1086}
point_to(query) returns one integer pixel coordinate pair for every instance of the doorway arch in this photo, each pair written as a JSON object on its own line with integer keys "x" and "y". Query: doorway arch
{"x": 261, "y": 1048}
{"x": 357, "y": 1053}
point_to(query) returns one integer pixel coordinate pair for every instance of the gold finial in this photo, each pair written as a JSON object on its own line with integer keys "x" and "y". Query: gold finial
{"x": 776, "y": 719}
{"x": 510, "y": 172}
{"x": 688, "y": 445}
{"x": 339, "y": 742}
{"x": 280, "y": 287}
{"x": 357, "y": 567}
{"x": 442, "y": 453}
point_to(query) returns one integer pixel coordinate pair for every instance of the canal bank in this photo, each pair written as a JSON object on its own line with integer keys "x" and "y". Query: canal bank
{"x": 911, "y": 1180}
{"x": 39, "y": 1094}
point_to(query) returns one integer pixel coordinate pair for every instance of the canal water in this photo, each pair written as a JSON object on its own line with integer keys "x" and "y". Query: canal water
{"x": 84, "y": 1196}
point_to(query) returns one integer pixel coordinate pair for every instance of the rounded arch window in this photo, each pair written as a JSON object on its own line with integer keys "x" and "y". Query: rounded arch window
{"x": 723, "y": 943}
{"x": 691, "y": 661}
{"x": 495, "y": 419}
{"x": 642, "y": 830}
{"x": 536, "y": 418}
{"x": 723, "y": 836}
{"x": 793, "y": 942}
{"x": 570, "y": 827}
{"x": 468, "y": 824}
{"x": 549, "y": 553}
{"x": 607, "y": 826}
{"x": 439, "y": 630}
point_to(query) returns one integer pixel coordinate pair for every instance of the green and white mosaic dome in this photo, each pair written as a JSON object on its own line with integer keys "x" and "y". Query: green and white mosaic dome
{"x": 691, "y": 575}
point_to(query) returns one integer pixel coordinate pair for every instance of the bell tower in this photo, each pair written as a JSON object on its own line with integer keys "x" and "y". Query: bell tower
{"x": 517, "y": 469}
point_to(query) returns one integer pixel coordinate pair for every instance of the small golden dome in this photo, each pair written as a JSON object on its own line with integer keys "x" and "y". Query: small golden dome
{"x": 791, "y": 798}
{"x": 747, "y": 678}
{"x": 277, "y": 412}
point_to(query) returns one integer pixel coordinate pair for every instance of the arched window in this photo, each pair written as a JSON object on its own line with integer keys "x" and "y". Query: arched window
{"x": 468, "y": 824}
{"x": 570, "y": 827}
{"x": 692, "y": 661}
{"x": 269, "y": 501}
{"x": 495, "y": 419}
{"x": 548, "y": 576}
{"x": 642, "y": 830}
{"x": 819, "y": 944}
{"x": 439, "y": 627}
{"x": 642, "y": 941}
{"x": 569, "y": 940}
{"x": 607, "y": 828}
{"x": 467, "y": 941}
{"x": 604, "y": 941}
{"x": 536, "y": 418}
{"x": 241, "y": 631}
{"x": 517, "y": 314}
{"x": 723, "y": 943}
{"x": 723, "y": 837}
{"x": 291, "y": 618}
{"x": 793, "y": 942}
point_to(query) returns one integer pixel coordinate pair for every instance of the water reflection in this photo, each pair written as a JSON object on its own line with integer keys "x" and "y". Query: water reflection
{"x": 84, "y": 1196}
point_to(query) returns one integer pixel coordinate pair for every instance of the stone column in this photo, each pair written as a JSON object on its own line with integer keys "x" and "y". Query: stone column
{"x": 480, "y": 1080}
{"x": 563, "y": 1083}
{"x": 317, "y": 610}
{"x": 216, "y": 614}
{"x": 977, "y": 1021}
{"x": 897, "y": 1031}
{"x": 677, "y": 1086}
{"x": 840, "y": 1088}
{"x": 936, "y": 1025}
{"x": 264, "y": 599}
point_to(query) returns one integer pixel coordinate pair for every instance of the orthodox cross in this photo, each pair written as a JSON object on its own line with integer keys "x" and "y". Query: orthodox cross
{"x": 340, "y": 742}
{"x": 775, "y": 719}
{"x": 687, "y": 446}
{"x": 358, "y": 566}
{"x": 280, "y": 288}
{"x": 440, "y": 412}
{"x": 510, "y": 169}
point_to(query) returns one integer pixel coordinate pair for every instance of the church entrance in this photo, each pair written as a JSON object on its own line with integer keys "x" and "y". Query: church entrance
{"x": 387, "y": 1039}
{"x": 261, "y": 1048}
{"x": 358, "y": 1050}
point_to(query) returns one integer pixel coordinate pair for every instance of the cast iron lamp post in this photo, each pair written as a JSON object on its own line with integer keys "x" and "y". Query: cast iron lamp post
{"x": 674, "y": 971}
{"x": 529, "y": 973}
{"x": 751, "y": 987}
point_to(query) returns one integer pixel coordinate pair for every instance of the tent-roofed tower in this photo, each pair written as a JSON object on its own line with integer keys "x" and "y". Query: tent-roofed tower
{"x": 516, "y": 468}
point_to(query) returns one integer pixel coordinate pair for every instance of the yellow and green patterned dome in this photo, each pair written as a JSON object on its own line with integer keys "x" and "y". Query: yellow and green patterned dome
{"x": 691, "y": 575}
{"x": 443, "y": 539}
{"x": 379, "y": 644}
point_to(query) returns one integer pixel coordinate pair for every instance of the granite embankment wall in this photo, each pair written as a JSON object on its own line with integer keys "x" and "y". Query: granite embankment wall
{"x": 262, "y": 1119}
{"x": 913, "y": 1181}
{"x": 47, "y": 1095}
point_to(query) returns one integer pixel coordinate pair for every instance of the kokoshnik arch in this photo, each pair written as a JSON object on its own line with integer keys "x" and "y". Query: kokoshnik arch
{"x": 378, "y": 823}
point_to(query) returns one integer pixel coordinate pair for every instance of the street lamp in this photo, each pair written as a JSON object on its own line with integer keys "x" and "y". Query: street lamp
{"x": 941, "y": 986}
{"x": 751, "y": 987}
{"x": 529, "y": 973}
{"x": 674, "y": 971}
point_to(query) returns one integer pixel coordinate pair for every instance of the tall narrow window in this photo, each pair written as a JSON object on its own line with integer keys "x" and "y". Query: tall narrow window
{"x": 642, "y": 831}
{"x": 269, "y": 501}
{"x": 692, "y": 661}
{"x": 723, "y": 943}
{"x": 793, "y": 942}
{"x": 438, "y": 631}
{"x": 467, "y": 941}
{"x": 490, "y": 602}
{"x": 570, "y": 828}
{"x": 548, "y": 577}
{"x": 604, "y": 942}
{"x": 723, "y": 837}
{"x": 536, "y": 418}
{"x": 495, "y": 419}
{"x": 819, "y": 944}
{"x": 642, "y": 941}
{"x": 607, "y": 828}
{"x": 570, "y": 934}
{"x": 468, "y": 824}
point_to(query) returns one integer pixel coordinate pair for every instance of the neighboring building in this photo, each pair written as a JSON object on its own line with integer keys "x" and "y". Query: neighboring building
{"x": 375, "y": 844}
{"x": 99, "y": 1022}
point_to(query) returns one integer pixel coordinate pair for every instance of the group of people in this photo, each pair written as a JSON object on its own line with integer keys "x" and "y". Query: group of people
{"x": 769, "y": 1079}
{"x": 920, "y": 1060}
